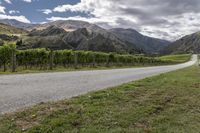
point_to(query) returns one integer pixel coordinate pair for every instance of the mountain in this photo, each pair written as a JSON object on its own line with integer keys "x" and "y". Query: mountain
{"x": 17, "y": 24}
{"x": 49, "y": 31}
{"x": 84, "y": 39}
{"x": 187, "y": 44}
{"x": 7, "y": 29}
{"x": 149, "y": 44}
{"x": 9, "y": 33}
{"x": 76, "y": 27}
{"x": 80, "y": 39}
{"x": 70, "y": 25}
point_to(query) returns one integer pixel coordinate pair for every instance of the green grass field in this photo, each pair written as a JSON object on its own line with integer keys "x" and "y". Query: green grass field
{"x": 176, "y": 58}
{"x": 168, "y": 103}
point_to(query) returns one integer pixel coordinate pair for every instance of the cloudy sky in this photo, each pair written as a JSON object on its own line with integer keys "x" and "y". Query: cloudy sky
{"x": 168, "y": 19}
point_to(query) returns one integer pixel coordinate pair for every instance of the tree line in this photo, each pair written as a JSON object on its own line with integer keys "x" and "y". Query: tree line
{"x": 41, "y": 58}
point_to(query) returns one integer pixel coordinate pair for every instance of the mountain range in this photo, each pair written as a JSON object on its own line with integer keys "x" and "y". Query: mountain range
{"x": 80, "y": 35}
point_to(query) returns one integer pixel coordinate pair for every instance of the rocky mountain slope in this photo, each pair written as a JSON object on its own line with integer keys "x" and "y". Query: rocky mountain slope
{"x": 187, "y": 44}
{"x": 49, "y": 31}
{"x": 149, "y": 44}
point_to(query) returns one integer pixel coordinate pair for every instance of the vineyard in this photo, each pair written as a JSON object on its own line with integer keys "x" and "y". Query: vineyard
{"x": 44, "y": 59}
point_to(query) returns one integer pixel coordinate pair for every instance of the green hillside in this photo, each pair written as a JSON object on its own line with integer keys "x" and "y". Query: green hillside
{"x": 6, "y": 29}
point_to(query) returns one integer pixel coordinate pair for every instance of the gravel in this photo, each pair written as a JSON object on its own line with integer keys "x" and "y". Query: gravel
{"x": 24, "y": 90}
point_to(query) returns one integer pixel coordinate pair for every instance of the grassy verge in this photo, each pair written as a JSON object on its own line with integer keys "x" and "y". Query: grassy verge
{"x": 176, "y": 58}
{"x": 68, "y": 69}
{"x": 162, "y": 104}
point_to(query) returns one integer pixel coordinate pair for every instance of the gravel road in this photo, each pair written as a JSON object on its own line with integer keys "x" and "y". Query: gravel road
{"x": 19, "y": 91}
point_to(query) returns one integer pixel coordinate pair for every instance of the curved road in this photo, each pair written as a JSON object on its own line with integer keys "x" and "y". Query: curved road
{"x": 18, "y": 91}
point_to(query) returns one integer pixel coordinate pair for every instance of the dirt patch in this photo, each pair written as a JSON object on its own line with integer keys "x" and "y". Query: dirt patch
{"x": 24, "y": 125}
{"x": 196, "y": 85}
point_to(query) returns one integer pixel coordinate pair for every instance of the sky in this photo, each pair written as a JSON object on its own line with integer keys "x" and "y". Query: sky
{"x": 166, "y": 19}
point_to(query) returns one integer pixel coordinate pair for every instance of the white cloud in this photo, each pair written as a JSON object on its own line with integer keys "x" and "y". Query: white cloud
{"x": 2, "y": 9}
{"x": 102, "y": 11}
{"x": 19, "y": 18}
{"x": 8, "y": 1}
{"x": 13, "y": 12}
{"x": 29, "y": 1}
{"x": 83, "y": 6}
{"x": 45, "y": 11}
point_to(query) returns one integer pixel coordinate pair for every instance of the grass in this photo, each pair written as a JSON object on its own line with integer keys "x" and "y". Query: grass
{"x": 21, "y": 70}
{"x": 176, "y": 58}
{"x": 162, "y": 104}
